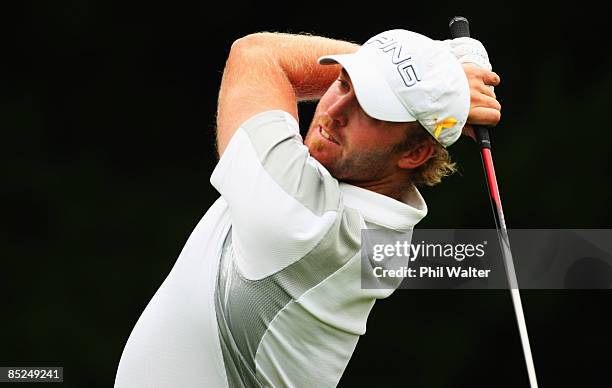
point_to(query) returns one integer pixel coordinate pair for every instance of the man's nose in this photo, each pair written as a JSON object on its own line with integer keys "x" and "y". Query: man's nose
{"x": 340, "y": 109}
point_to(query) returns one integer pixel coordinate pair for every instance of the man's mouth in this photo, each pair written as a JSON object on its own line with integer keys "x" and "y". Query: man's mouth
{"x": 326, "y": 135}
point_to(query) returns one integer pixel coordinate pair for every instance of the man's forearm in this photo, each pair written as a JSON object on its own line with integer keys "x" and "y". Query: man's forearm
{"x": 268, "y": 71}
{"x": 297, "y": 56}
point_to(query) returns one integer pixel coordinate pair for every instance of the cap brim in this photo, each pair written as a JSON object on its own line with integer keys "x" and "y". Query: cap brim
{"x": 374, "y": 94}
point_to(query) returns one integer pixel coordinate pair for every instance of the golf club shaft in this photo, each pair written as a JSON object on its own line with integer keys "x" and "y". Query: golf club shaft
{"x": 459, "y": 27}
{"x": 504, "y": 241}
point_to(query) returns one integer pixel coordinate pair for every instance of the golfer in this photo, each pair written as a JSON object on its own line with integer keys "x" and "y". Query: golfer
{"x": 266, "y": 291}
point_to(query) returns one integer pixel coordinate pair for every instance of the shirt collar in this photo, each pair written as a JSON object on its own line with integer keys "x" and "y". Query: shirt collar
{"x": 385, "y": 211}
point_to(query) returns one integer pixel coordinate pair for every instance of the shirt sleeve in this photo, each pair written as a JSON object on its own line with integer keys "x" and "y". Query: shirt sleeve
{"x": 282, "y": 201}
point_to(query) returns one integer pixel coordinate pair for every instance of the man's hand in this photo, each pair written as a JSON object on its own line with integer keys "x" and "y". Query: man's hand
{"x": 484, "y": 107}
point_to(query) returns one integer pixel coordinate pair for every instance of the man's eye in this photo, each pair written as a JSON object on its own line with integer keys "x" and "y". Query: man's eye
{"x": 343, "y": 83}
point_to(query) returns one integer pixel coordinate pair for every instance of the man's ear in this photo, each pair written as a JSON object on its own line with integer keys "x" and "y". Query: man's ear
{"x": 416, "y": 156}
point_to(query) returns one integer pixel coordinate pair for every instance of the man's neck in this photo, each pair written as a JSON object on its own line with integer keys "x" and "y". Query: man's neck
{"x": 394, "y": 186}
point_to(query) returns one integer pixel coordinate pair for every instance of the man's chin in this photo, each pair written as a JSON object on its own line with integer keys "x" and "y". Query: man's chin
{"x": 330, "y": 164}
{"x": 317, "y": 150}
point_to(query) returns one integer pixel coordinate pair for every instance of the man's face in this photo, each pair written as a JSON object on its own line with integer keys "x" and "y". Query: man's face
{"x": 352, "y": 146}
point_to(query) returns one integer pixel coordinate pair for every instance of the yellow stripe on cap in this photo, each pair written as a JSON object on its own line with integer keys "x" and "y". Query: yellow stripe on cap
{"x": 446, "y": 123}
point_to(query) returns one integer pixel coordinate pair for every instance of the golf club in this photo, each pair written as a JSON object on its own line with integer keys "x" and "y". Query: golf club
{"x": 459, "y": 27}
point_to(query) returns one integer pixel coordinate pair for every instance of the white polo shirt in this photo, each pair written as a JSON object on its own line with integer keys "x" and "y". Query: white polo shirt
{"x": 267, "y": 290}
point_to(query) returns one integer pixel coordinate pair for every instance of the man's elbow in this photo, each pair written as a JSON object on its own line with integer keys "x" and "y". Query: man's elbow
{"x": 250, "y": 43}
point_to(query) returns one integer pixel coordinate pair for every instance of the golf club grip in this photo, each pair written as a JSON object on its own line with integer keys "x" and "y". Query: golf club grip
{"x": 459, "y": 28}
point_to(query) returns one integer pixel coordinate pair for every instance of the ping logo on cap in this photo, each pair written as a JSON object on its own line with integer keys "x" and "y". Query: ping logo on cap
{"x": 405, "y": 67}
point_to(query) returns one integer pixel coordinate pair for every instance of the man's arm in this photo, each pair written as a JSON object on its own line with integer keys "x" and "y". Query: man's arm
{"x": 267, "y": 71}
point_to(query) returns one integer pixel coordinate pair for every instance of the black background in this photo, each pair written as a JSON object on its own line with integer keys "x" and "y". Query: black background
{"x": 107, "y": 122}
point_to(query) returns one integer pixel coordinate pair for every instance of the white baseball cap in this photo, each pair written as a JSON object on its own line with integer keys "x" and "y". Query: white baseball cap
{"x": 403, "y": 76}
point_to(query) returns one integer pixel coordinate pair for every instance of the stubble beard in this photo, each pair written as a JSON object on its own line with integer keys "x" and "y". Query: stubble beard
{"x": 351, "y": 166}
